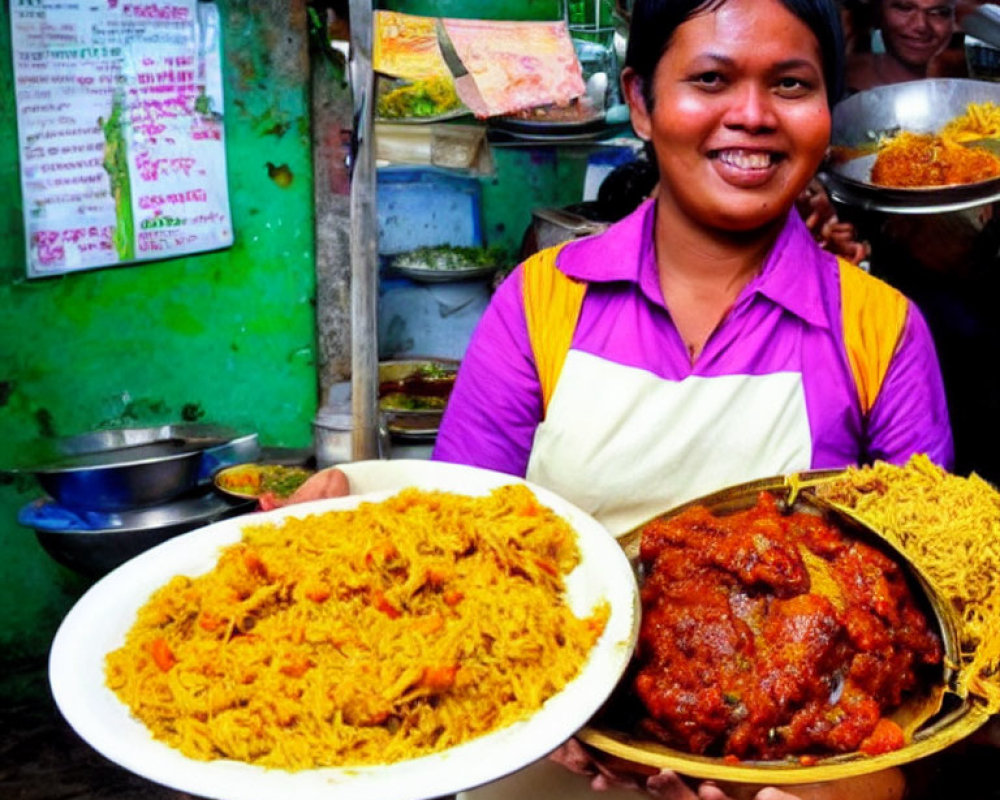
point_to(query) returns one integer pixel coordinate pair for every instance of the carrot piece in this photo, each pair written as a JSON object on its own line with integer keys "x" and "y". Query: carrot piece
{"x": 254, "y": 564}
{"x": 162, "y": 655}
{"x": 438, "y": 678}
{"x": 387, "y": 608}
{"x": 452, "y": 597}
{"x": 207, "y": 621}
{"x": 382, "y": 551}
{"x": 318, "y": 593}
{"x": 547, "y": 566}
{"x": 430, "y": 624}
{"x": 296, "y": 668}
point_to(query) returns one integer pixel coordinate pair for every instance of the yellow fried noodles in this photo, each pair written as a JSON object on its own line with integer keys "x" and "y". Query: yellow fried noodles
{"x": 366, "y": 636}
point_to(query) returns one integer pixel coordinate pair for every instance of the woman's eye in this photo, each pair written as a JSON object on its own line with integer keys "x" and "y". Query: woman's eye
{"x": 708, "y": 80}
{"x": 793, "y": 87}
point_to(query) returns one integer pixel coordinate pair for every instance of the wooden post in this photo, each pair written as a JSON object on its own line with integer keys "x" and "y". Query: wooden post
{"x": 364, "y": 239}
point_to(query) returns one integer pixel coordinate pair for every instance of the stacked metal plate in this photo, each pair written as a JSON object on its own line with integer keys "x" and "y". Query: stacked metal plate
{"x": 111, "y": 494}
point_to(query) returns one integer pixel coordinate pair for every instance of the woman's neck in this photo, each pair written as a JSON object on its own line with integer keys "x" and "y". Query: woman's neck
{"x": 702, "y": 272}
{"x": 724, "y": 260}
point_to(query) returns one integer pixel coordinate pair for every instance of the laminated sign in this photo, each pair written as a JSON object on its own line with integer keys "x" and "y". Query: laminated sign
{"x": 120, "y": 131}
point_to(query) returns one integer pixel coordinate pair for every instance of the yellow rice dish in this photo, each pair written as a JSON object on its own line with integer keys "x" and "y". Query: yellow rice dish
{"x": 368, "y": 636}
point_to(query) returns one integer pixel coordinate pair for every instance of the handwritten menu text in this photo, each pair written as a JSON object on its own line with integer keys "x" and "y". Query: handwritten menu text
{"x": 120, "y": 128}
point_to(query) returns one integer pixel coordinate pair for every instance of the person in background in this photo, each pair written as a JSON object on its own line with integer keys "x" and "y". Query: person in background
{"x": 830, "y": 232}
{"x": 914, "y": 33}
{"x": 705, "y": 339}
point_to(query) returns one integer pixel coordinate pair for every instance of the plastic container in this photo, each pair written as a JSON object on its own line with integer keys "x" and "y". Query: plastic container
{"x": 426, "y": 207}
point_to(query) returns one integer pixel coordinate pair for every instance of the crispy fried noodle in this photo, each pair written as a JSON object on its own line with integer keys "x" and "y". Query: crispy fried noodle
{"x": 367, "y": 636}
{"x": 950, "y": 527}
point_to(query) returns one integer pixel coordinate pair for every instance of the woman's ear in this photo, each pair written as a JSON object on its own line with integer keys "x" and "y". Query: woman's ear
{"x": 633, "y": 89}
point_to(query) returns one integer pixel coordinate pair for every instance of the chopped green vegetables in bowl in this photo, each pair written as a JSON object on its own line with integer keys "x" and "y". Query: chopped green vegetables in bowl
{"x": 450, "y": 257}
{"x": 254, "y": 480}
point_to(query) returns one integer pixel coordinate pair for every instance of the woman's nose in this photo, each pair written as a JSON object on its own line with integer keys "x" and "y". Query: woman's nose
{"x": 751, "y": 109}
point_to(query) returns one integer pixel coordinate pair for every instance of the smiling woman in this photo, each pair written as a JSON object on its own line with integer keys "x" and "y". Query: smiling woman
{"x": 737, "y": 113}
{"x": 705, "y": 339}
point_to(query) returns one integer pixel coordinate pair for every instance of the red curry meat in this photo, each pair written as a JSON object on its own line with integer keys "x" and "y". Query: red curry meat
{"x": 767, "y": 635}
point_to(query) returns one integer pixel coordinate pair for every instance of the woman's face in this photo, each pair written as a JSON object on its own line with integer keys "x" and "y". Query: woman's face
{"x": 914, "y": 31}
{"x": 740, "y": 120}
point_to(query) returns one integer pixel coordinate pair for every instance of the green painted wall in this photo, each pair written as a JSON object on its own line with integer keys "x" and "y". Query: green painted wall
{"x": 226, "y": 337}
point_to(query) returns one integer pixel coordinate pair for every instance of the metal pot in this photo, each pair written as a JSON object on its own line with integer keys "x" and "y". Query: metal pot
{"x": 93, "y": 543}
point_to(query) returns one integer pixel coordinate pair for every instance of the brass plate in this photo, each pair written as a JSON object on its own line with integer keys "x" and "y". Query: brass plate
{"x": 933, "y": 731}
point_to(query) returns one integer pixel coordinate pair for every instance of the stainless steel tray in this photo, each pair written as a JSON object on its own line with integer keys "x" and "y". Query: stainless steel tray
{"x": 94, "y": 543}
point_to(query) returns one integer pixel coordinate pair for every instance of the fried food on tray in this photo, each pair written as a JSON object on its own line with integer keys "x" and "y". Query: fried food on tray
{"x": 368, "y": 636}
{"x": 914, "y": 160}
{"x": 767, "y": 635}
{"x": 949, "y": 526}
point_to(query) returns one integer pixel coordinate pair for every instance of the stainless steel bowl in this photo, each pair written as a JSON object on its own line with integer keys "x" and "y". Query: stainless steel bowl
{"x": 122, "y": 479}
{"x": 93, "y": 544}
{"x": 129, "y": 468}
{"x": 920, "y": 107}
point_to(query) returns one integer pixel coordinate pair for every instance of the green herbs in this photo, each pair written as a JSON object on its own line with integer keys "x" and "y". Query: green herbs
{"x": 450, "y": 257}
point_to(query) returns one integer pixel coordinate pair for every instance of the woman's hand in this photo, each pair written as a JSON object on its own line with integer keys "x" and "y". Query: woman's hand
{"x": 608, "y": 771}
{"x": 330, "y": 482}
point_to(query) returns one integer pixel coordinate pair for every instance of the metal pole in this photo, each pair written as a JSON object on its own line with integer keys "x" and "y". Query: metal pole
{"x": 364, "y": 240}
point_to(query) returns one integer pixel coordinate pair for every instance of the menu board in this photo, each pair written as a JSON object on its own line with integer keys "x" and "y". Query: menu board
{"x": 120, "y": 131}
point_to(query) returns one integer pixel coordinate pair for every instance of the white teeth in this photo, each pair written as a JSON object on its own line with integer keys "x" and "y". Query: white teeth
{"x": 745, "y": 159}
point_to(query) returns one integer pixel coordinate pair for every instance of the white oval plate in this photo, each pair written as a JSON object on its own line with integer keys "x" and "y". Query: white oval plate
{"x": 99, "y": 621}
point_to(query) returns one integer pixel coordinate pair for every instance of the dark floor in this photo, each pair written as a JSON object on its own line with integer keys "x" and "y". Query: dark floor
{"x": 41, "y": 758}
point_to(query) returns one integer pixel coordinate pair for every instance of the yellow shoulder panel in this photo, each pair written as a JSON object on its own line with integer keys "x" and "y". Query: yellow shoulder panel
{"x": 552, "y": 304}
{"x": 874, "y": 314}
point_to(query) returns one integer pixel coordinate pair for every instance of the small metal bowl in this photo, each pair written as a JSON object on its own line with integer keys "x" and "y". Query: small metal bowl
{"x": 93, "y": 543}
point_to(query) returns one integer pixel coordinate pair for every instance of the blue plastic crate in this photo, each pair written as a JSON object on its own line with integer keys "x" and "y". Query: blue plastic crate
{"x": 426, "y": 207}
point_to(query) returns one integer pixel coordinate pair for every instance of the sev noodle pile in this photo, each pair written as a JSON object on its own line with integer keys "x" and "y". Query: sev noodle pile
{"x": 366, "y": 636}
{"x": 949, "y": 526}
{"x": 980, "y": 121}
{"x": 910, "y": 160}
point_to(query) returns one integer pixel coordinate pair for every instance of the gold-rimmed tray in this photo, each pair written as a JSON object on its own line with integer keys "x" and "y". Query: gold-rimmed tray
{"x": 933, "y": 719}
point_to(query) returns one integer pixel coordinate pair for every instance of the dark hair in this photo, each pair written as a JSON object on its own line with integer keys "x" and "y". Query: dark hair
{"x": 654, "y": 22}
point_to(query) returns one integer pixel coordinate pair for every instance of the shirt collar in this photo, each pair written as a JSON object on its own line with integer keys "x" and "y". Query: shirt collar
{"x": 791, "y": 275}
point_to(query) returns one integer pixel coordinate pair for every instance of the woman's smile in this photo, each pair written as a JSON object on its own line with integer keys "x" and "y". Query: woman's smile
{"x": 745, "y": 167}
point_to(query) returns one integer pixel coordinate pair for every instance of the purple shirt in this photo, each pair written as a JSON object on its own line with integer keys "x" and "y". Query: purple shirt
{"x": 786, "y": 322}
